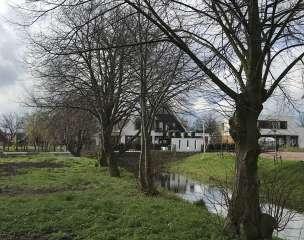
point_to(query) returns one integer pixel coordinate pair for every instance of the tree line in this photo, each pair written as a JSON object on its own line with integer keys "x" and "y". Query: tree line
{"x": 43, "y": 131}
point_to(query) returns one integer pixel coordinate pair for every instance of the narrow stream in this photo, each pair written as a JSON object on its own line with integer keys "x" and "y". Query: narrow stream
{"x": 215, "y": 201}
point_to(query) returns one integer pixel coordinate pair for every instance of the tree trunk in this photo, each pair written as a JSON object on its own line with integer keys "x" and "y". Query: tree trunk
{"x": 102, "y": 154}
{"x": 145, "y": 175}
{"x": 108, "y": 153}
{"x": 102, "y": 158}
{"x": 244, "y": 211}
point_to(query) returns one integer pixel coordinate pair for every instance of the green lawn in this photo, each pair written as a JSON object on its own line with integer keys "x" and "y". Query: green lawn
{"x": 57, "y": 198}
{"x": 287, "y": 177}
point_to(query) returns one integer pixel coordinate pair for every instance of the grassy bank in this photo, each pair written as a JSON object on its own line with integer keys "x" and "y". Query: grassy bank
{"x": 211, "y": 168}
{"x": 56, "y": 198}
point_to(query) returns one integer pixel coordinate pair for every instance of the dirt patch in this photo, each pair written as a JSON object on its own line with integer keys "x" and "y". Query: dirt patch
{"x": 11, "y": 169}
{"x": 296, "y": 156}
{"x": 24, "y": 236}
{"x": 16, "y": 191}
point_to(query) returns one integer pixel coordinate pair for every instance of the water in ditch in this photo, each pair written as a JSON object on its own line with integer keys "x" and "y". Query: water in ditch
{"x": 215, "y": 201}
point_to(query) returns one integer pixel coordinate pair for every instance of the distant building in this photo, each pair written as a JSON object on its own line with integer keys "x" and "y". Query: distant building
{"x": 166, "y": 126}
{"x": 225, "y": 137}
{"x": 283, "y": 130}
{"x": 168, "y": 132}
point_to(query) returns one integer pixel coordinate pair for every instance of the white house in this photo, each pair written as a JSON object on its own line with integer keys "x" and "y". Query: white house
{"x": 167, "y": 125}
{"x": 168, "y": 131}
{"x": 283, "y": 130}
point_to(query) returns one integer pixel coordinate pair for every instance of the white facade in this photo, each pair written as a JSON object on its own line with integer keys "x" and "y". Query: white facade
{"x": 130, "y": 130}
{"x": 189, "y": 144}
{"x": 284, "y": 129}
{"x": 292, "y": 134}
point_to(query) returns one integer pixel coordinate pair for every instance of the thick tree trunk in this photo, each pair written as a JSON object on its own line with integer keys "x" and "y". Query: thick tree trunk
{"x": 244, "y": 211}
{"x": 102, "y": 157}
{"x": 145, "y": 175}
{"x": 112, "y": 165}
{"x": 107, "y": 153}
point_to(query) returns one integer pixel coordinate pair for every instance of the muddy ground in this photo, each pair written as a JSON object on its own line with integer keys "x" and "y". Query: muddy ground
{"x": 296, "y": 156}
{"x": 15, "y": 168}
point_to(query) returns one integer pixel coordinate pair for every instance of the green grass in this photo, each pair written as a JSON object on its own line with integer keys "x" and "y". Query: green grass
{"x": 80, "y": 201}
{"x": 211, "y": 168}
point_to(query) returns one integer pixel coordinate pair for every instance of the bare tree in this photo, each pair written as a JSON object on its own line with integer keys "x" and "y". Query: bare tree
{"x": 243, "y": 41}
{"x": 34, "y": 129}
{"x": 246, "y": 39}
{"x": 157, "y": 68}
{"x": 74, "y": 128}
{"x": 209, "y": 124}
{"x": 95, "y": 81}
{"x": 10, "y": 123}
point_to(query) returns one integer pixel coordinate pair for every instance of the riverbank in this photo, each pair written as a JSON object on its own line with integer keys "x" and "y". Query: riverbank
{"x": 59, "y": 197}
{"x": 285, "y": 177}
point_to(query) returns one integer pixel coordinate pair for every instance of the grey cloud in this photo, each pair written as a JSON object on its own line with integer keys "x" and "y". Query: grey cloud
{"x": 11, "y": 68}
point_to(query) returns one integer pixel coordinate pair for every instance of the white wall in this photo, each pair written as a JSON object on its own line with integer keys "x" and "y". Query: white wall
{"x": 187, "y": 144}
{"x": 128, "y": 130}
{"x": 292, "y": 128}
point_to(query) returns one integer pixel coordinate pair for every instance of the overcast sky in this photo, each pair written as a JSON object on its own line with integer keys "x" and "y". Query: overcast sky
{"x": 13, "y": 75}
{"x": 15, "y": 81}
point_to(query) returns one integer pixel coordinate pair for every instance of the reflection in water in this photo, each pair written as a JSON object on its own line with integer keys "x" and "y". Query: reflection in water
{"x": 216, "y": 202}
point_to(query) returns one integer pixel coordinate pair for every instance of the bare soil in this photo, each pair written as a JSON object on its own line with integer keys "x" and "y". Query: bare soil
{"x": 11, "y": 169}
{"x": 15, "y": 191}
{"x": 295, "y": 156}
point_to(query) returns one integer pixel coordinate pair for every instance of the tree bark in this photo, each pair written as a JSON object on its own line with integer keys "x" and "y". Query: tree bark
{"x": 107, "y": 153}
{"x": 145, "y": 175}
{"x": 244, "y": 211}
{"x": 102, "y": 157}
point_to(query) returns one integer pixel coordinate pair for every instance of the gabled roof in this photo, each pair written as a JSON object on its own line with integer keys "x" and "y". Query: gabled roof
{"x": 172, "y": 113}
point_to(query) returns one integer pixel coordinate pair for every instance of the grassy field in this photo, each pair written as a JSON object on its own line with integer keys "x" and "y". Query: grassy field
{"x": 287, "y": 177}
{"x": 61, "y": 198}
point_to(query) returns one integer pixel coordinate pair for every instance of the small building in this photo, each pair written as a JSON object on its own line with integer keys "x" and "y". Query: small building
{"x": 197, "y": 144}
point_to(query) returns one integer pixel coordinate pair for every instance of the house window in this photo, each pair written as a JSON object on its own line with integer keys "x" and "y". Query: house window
{"x": 263, "y": 124}
{"x": 275, "y": 125}
{"x": 283, "y": 125}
